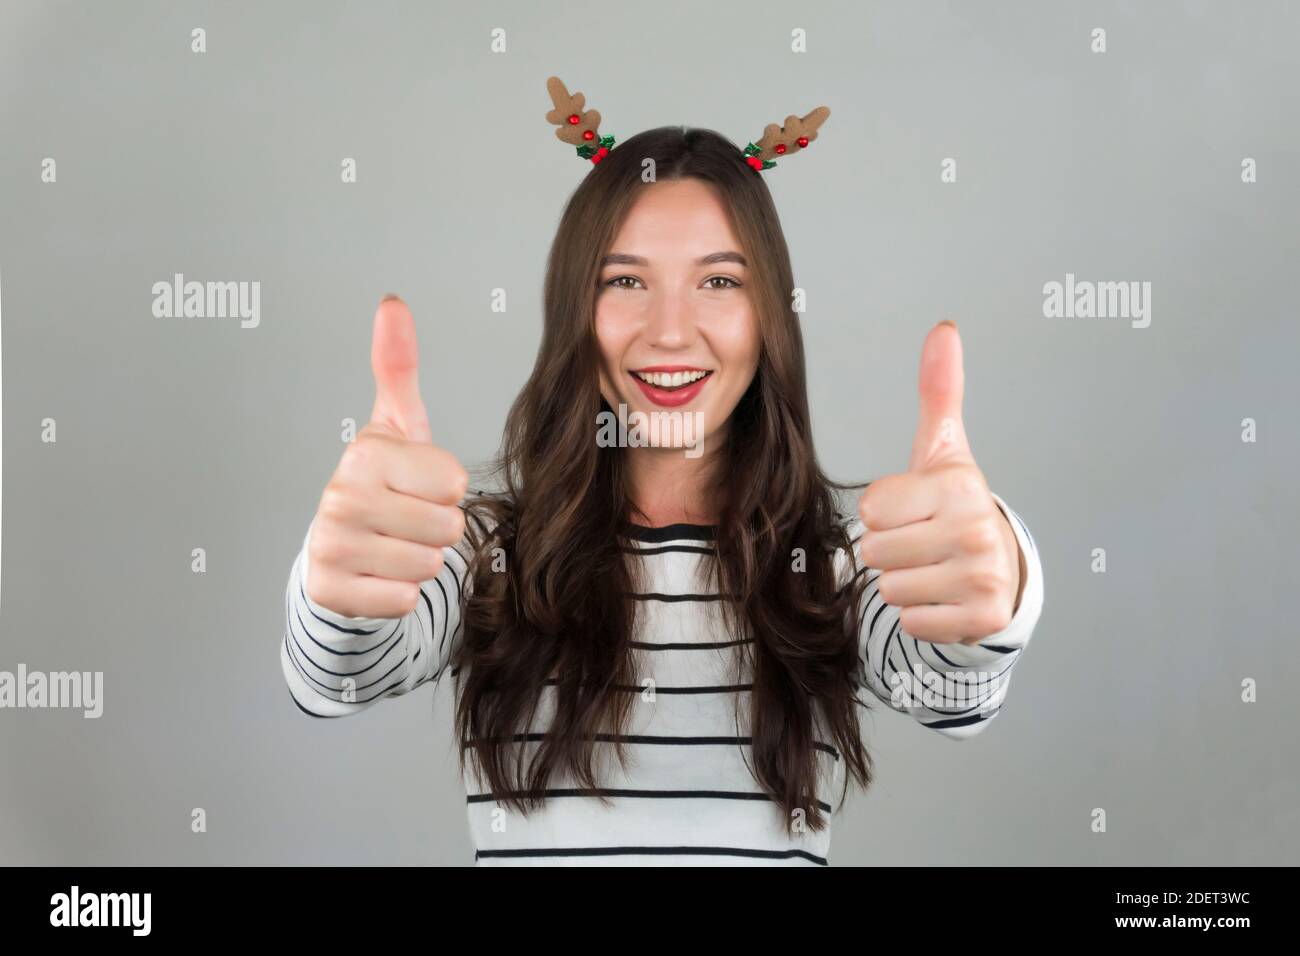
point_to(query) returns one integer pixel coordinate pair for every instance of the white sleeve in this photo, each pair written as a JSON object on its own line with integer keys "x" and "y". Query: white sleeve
{"x": 955, "y": 689}
{"x": 336, "y": 665}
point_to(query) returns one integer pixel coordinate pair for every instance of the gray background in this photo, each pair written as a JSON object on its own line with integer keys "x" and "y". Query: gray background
{"x": 175, "y": 434}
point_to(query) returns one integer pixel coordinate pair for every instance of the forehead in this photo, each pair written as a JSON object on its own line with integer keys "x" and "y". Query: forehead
{"x": 682, "y": 218}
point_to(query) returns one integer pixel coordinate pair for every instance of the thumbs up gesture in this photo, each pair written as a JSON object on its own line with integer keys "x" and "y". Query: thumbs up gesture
{"x": 947, "y": 555}
{"x": 391, "y": 505}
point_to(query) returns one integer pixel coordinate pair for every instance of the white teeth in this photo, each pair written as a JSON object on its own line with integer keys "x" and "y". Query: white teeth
{"x": 670, "y": 379}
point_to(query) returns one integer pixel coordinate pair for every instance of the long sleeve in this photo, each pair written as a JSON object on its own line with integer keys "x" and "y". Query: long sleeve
{"x": 955, "y": 689}
{"x": 336, "y": 665}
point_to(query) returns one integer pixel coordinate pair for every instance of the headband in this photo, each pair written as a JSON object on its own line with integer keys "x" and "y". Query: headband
{"x": 578, "y": 127}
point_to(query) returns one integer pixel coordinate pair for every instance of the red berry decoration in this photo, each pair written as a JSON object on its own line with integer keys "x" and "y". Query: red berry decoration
{"x": 802, "y": 141}
{"x": 576, "y": 125}
{"x": 779, "y": 149}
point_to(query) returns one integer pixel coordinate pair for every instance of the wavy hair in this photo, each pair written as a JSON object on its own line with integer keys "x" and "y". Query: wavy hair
{"x": 560, "y": 615}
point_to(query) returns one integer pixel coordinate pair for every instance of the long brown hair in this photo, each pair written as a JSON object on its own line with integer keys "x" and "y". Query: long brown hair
{"x": 560, "y": 614}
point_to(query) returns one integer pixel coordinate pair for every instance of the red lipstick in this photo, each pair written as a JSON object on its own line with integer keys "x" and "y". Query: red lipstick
{"x": 669, "y": 397}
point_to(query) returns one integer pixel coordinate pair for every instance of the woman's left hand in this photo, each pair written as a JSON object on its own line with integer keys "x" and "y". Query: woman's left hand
{"x": 946, "y": 552}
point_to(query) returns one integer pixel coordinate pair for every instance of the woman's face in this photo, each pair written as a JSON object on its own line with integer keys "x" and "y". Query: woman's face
{"x": 674, "y": 320}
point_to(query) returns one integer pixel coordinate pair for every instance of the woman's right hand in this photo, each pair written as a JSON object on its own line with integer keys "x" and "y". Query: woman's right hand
{"x": 392, "y": 504}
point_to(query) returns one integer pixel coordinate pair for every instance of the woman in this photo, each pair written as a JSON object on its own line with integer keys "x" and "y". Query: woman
{"x": 658, "y": 647}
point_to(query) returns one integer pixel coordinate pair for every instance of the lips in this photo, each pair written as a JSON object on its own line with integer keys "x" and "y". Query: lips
{"x": 662, "y": 391}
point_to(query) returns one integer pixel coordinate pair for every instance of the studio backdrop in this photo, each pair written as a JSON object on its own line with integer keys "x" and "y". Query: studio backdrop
{"x": 1104, "y": 198}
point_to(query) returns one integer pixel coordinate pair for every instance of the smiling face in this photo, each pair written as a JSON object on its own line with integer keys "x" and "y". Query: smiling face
{"x": 674, "y": 320}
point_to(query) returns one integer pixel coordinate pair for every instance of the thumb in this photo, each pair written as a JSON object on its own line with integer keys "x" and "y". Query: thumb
{"x": 940, "y": 434}
{"x": 395, "y": 359}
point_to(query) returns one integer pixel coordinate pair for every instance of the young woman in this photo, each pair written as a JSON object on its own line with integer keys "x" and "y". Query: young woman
{"x": 658, "y": 650}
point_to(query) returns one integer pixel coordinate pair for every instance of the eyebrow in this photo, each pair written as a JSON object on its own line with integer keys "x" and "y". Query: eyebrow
{"x": 623, "y": 259}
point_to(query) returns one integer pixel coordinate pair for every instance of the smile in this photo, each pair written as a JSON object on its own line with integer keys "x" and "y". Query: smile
{"x": 671, "y": 386}
{"x": 671, "y": 380}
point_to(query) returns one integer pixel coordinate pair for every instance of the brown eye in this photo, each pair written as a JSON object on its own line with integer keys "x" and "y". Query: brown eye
{"x": 733, "y": 284}
{"x": 613, "y": 283}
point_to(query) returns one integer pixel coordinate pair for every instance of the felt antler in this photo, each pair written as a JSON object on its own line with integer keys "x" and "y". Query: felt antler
{"x": 785, "y": 140}
{"x": 576, "y": 127}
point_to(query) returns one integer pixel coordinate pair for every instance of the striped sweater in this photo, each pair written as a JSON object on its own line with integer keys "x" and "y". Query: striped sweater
{"x": 686, "y": 796}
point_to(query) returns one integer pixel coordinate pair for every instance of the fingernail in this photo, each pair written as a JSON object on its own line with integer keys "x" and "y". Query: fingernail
{"x": 391, "y": 296}
{"x": 949, "y": 322}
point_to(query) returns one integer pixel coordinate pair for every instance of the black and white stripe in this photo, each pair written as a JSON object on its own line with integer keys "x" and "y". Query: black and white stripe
{"x": 687, "y": 796}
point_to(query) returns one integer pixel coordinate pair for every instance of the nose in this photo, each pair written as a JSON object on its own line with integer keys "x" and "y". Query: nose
{"x": 671, "y": 323}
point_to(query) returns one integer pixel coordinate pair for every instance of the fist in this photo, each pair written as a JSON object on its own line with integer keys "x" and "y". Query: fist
{"x": 948, "y": 557}
{"x": 392, "y": 503}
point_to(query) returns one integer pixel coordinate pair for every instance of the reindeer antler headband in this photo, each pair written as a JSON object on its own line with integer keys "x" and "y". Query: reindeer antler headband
{"x": 578, "y": 127}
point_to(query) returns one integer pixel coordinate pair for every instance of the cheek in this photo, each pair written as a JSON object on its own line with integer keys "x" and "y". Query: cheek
{"x": 605, "y": 331}
{"x": 617, "y": 319}
{"x": 612, "y": 340}
{"x": 737, "y": 346}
